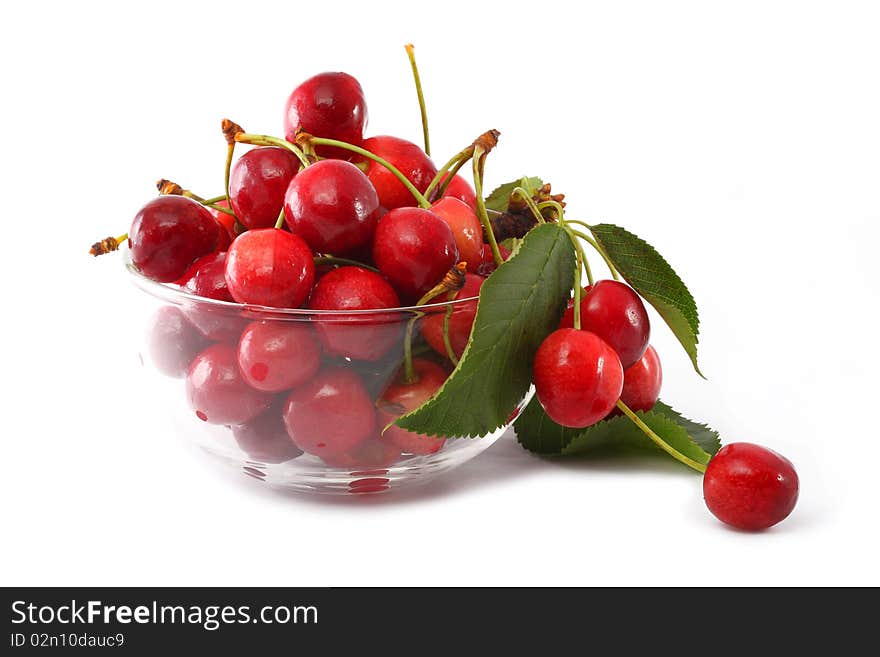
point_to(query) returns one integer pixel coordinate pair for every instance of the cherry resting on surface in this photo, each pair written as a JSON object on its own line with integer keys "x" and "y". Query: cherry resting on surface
{"x": 613, "y": 311}
{"x": 578, "y": 377}
{"x": 168, "y": 234}
{"x": 173, "y": 342}
{"x": 750, "y": 487}
{"x": 401, "y": 397}
{"x": 414, "y": 249}
{"x": 269, "y": 267}
{"x": 217, "y": 392}
{"x": 466, "y": 229}
{"x": 367, "y": 337}
{"x": 412, "y": 162}
{"x": 642, "y": 381}
{"x": 333, "y": 206}
{"x": 265, "y": 437}
{"x": 331, "y": 414}
{"x": 277, "y": 355}
{"x": 460, "y": 322}
{"x": 257, "y": 184}
{"x": 329, "y": 105}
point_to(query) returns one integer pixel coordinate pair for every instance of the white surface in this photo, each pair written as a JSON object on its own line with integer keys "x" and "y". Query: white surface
{"x": 741, "y": 139}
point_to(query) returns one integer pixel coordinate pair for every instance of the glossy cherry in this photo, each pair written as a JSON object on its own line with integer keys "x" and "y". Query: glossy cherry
{"x": 275, "y": 355}
{"x": 461, "y": 189}
{"x": 173, "y": 342}
{"x": 414, "y": 249}
{"x": 578, "y": 377}
{"x": 206, "y": 277}
{"x": 401, "y": 397}
{"x": 216, "y": 390}
{"x": 333, "y": 206}
{"x": 257, "y": 183}
{"x": 642, "y": 381}
{"x": 168, "y": 234}
{"x": 331, "y": 414}
{"x": 466, "y": 229}
{"x": 750, "y": 487}
{"x": 460, "y": 322}
{"x": 412, "y": 162}
{"x": 265, "y": 438}
{"x": 227, "y": 223}
{"x": 361, "y": 337}
{"x": 329, "y": 105}
{"x": 613, "y": 311}
{"x": 270, "y": 267}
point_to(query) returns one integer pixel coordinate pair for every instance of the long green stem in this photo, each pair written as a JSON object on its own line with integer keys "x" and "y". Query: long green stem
{"x": 577, "y": 291}
{"x": 410, "y": 52}
{"x": 279, "y": 224}
{"x": 219, "y": 208}
{"x": 215, "y": 199}
{"x": 450, "y": 352}
{"x": 589, "y": 240}
{"x": 560, "y": 211}
{"x": 230, "y": 149}
{"x": 333, "y": 260}
{"x": 662, "y": 444}
{"x": 534, "y": 207}
{"x": 417, "y": 195}
{"x": 478, "y": 163}
{"x": 458, "y": 160}
{"x": 268, "y": 140}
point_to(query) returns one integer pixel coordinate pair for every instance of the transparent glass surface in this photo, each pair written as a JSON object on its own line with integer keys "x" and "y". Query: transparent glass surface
{"x": 327, "y": 431}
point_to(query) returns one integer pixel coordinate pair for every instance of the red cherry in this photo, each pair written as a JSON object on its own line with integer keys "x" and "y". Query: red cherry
{"x": 460, "y": 322}
{"x": 359, "y": 337}
{"x": 487, "y": 262}
{"x": 414, "y": 248}
{"x": 614, "y": 312}
{"x": 372, "y": 453}
{"x": 257, "y": 184}
{"x": 265, "y": 438}
{"x": 206, "y": 277}
{"x": 216, "y": 390}
{"x": 642, "y": 381}
{"x": 329, "y": 105}
{"x": 269, "y": 267}
{"x": 466, "y": 229}
{"x": 173, "y": 342}
{"x": 227, "y": 223}
{"x": 461, "y": 189}
{"x": 168, "y": 234}
{"x": 578, "y": 377}
{"x": 333, "y": 206}
{"x": 331, "y": 414}
{"x": 412, "y": 162}
{"x": 402, "y": 398}
{"x": 275, "y": 355}
{"x": 750, "y": 487}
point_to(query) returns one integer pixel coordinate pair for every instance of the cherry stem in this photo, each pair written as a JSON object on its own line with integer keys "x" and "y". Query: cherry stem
{"x": 478, "y": 165}
{"x": 534, "y": 207}
{"x": 560, "y": 211}
{"x": 662, "y": 444}
{"x": 279, "y": 223}
{"x": 219, "y": 208}
{"x": 410, "y": 52}
{"x": 589, "y": 240}
{"x": 450, "y": 352}
{"x": 230, "y": 149}
{"x": 577, "y": 292}
{"x": 216, "y": 199}
{"x": 107, "y": 245}
{"x": 417, "y": 195}
{"x": 458, "y": 160}
{"x": 333, "y": 260}
{"x": 268, "y": 140}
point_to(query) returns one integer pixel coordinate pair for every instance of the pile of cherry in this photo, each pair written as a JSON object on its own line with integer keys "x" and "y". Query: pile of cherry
{"x": 339, "y": 231}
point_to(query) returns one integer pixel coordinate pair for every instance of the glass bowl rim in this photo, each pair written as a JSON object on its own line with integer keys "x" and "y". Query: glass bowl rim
{"x": 180, "y": 296}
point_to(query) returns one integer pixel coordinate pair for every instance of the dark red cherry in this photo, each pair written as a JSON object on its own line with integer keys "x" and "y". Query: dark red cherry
{"x": 361, "y": 337}
{"x": 329, "y": 105}
{"x": 257, "y": 184}
{"x": 466, "y": 229}
{"x": 270, "y": 267}
{"x": 331, "y": 414}
{"x": 487, "y": 262}
{"x": 277, "y": 355}
{"x": 333, "y": 206}
{"x": 412, "y": 162}
{"x": 173, "y": 342}
{"x": 750, "y": 487}
{"x": 168, "y": 234}
{"x": 578, "y": 377}
{"x": 206, "y": 277}
{"x": 401, "y": 398}
{"x": 642, "y": 381}
{"x": 460, "y": 322}
{"x": 613, "y": 311}
{"x": 217, "y": 392}
{"x": 461, "y": 189}
{"x": 265, "y": 438}
{"x": 414, "y": 249}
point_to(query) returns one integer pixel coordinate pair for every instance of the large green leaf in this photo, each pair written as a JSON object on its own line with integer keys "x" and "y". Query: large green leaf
{"x": 703, "y": 435}
{"x": 500, "y": 196}
{"x": 652, "y": 277}
{"x": 520, "y": 304}
{"x": 538, "y": 433}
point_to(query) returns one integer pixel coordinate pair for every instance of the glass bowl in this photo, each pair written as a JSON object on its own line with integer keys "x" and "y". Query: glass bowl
{"x": 308, "y": 409}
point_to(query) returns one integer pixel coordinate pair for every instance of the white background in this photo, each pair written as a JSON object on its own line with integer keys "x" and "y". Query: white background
{"x": 742, "y": 139}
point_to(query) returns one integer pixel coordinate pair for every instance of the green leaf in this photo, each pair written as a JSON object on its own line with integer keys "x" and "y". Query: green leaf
{"x": 539, "y": 434}
{"x": 703, "y": 435}
{"x": 520, "y": 304}
{"x": 652, "y": 277}
{"x": 500, "y": 196}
